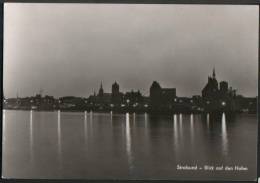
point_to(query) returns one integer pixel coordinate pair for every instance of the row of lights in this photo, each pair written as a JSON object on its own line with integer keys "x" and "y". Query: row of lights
{"x": 223, "y": 103}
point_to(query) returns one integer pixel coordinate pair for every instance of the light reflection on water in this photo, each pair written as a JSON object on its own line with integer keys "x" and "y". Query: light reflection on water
{"x": 134, "y": 119}
{"x": 59, "y": 137}
{"x": 111, "y": 118}
{"x": 208, "y": 121}
{"x": 31, "y": 136}
{"x": 192, "y": 128}
{"x": 135, "y": 145}
{"x": 85, "y": 126}
{"x": 128, "y": 142}
{"x": 224, "y": 134}
{"x": 181, "y": 124}
{"x": 91, "y": 123}
{"x": 175, "y": 137}
{"x": 146, "y": 125}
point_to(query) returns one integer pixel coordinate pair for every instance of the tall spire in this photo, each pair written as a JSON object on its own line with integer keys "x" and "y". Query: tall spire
{"x": 214, "y": 74}
{"x": 101, "y": 91}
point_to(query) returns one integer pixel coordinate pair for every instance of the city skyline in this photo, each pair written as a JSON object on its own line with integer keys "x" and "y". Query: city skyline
{"x": 64, "y": 54}
{"x": 146, "y": 94}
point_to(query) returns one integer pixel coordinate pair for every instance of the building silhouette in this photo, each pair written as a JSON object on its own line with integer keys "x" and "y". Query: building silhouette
{"x": 161, "y": 98}
{"x": 218, "y": 96}
{"x": 211, "y": 89}
{"x": 101, "y": 100}
{"x": 215, "y": 97}
{"x": 117, "y": 96}
{"x": 155, "y": 94}
{"x": 115, "y": 88}
{"x": 133, "y": 98}
{"x": 101, "y": 91}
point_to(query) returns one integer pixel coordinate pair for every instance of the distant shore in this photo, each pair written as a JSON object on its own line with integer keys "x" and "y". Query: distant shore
{"x": 138, "y": 112}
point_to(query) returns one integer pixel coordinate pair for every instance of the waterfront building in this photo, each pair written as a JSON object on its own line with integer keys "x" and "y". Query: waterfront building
{"x": 100, "y": 101}
{"x": 155, "y": 94}
{"x": 101, "y": 91}
{"x": 211, "y": 89}
{"x": 115, "y": 88}
{"x": 70, "y": 102}
{"x": 133, "y": 98}
{"x": 215, "y": 96}
{"x": 168, "y": 95}
{"x": 117, "y": 96}
{"x": 161, "y": 98}
{"x": 218, "y": 96}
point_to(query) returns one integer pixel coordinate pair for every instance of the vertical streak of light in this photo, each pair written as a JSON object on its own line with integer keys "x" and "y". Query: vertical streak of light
{"x": 128, "y": 142}
{"x": 111, "y": 118}
{"x": 134, "y": 116}
{"x": 208, "y": 121}
{"x": 181, "y": 132}
{"x": 85, "y": 126}
{"x": 192, "y": 133}
{"x": 145, "y": 124}
{"x": 31, "y": 135}
{"x": 91, "y": 123}
{"x": 175, "y": 133}
{"x": 192, "y": 127}
{"x": 224, "y": 134}
{"x": 59, "y": 139}
{"x": 146, "y": 135}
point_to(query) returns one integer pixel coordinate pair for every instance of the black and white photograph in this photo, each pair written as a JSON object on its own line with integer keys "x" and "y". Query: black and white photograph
{"x": 130, "y": 91}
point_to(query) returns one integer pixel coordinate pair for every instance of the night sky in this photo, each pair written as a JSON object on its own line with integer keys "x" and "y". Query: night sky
{"x": 68, "y": 49}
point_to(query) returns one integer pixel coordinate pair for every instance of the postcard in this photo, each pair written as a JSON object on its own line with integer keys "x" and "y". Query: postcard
{"x": 130, "y": 91}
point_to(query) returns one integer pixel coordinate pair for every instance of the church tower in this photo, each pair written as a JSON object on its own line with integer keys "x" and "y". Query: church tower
{"x": 211, "y": 89}
{"x": 101, "y": 91}
{"x": 115, "y": 89}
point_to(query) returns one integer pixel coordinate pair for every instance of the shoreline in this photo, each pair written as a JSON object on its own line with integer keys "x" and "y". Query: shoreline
{"x": 138, "y": 112}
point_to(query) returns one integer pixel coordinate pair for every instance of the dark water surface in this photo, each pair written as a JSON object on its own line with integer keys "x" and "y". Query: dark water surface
{"x": 126, "y": 146}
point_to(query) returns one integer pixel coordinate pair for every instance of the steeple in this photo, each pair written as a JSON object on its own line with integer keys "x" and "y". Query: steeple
{"x": 214, "y": 74}
{"x": 101, "y": 91}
